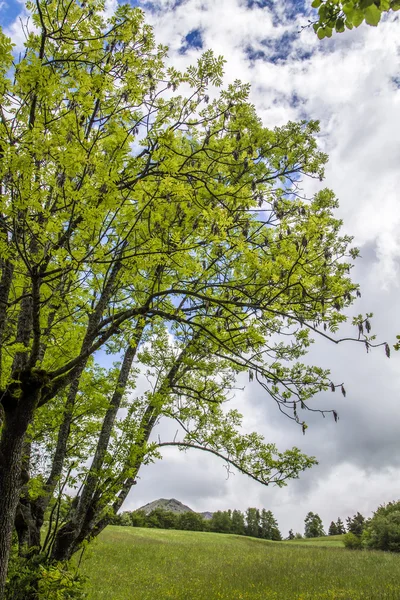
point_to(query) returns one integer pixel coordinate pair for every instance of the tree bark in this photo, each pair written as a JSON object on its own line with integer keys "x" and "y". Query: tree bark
{"x": 18, "y": 415}
{"x": 76, "y": 529}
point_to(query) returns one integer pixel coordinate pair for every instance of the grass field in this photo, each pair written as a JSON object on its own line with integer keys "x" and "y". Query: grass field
{"x": 151, "y": 564}
{"x": 330, "y": 541}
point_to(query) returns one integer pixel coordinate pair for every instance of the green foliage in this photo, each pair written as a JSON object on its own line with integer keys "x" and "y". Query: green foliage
{"x": 356, "y": 524}
{"x": 238, "y": 525}
{"x": 382, "y": 531}
{"x": 137, "y": 518}
{"x": 221, "y": 522}
{"x": 34, "y": 578}
{"x": 191, "y": 521}
{"x": 165, "y": 230}
{"x": 269, "y": 529}
{"x": 336, "y": 15}
{"x": 352, "y": 541}
{"x": 332, "y": 529}
{"x": 340, "y": 528}
{"x": 260, "y": 524}
{"x": 313, "y": 526}
{"x": 252, "y": 522}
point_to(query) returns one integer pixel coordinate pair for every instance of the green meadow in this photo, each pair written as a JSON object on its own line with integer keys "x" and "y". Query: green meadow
{"x": 128, "y": 563}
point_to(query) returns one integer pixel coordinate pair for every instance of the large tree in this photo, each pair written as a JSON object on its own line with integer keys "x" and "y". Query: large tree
{"x": 356, "y": 524}
{"x": 313, "y": 526}
{"x": 269, "y": 528}
{"x": 166, "y": 229}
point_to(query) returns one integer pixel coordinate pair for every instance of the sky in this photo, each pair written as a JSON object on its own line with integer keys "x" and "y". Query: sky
{"x": 351, "y": 83}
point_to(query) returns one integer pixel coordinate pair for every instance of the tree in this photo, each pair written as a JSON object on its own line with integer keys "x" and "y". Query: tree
{"x": 221, "y": 521}
{"x": 340, "y": 528}
{"x": 269, "y": 529}
{"x": 291, "y": 535}
{"x": 332, "y": 529}
{"x": 337, "y": 15}
{"x": 252, "y": 522}
{"x": 351, "y": 541}
{"x": 313, "y": 526}
{"x": 164, "y": 231}
{"x": 162, "y": 519}
{"x": 355, "y": 524}
{"x": 238, "y": 525}
{"x": 138, "y": 518}
{"x": 191, "y": 521}
{"x": 382, "y": 531}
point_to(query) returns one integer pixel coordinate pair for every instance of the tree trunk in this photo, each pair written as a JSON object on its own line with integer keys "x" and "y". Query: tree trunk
{"x": 16, "y": 421}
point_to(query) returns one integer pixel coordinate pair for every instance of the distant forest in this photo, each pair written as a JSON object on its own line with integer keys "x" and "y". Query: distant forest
{"x": 254, "y": 522}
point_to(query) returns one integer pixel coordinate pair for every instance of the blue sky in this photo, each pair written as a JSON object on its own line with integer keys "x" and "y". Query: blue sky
{"x": 351, "y": 84}
{"x": 9, "y": 11}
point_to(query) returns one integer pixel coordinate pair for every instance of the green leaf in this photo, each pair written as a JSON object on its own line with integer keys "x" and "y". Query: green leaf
{"x": 316, "y": 3}
{"x": 348, "y": 8}
{"x": 363, "y": 4}
{"x": 372, "y": 15}
{"x": 321, "y": 33}
{"x": 339, "y": 25}
{"x": 358, "y": 17}
{"x": 395, "y": 5}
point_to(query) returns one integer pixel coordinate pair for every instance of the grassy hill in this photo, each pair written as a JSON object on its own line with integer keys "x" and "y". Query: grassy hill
{"x": 152, "y": 564}
{"x": 330, "y": 541}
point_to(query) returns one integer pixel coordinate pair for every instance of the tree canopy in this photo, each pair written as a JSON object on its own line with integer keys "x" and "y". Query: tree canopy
{"x": 150, "y": 220}
{"x": 313, "y": 526}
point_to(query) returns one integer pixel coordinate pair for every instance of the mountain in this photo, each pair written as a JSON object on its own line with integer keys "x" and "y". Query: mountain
{"x": 171, "y": 505}
{"x": 207, "y": 515}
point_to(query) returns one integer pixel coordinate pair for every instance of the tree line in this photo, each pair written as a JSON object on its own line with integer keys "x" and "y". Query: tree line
{"x": 253, "y": 522}
{"x": 313, "y": 526}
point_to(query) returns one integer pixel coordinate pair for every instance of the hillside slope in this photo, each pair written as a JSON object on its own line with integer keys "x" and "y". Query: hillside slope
{"x": 149, "y": 564}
